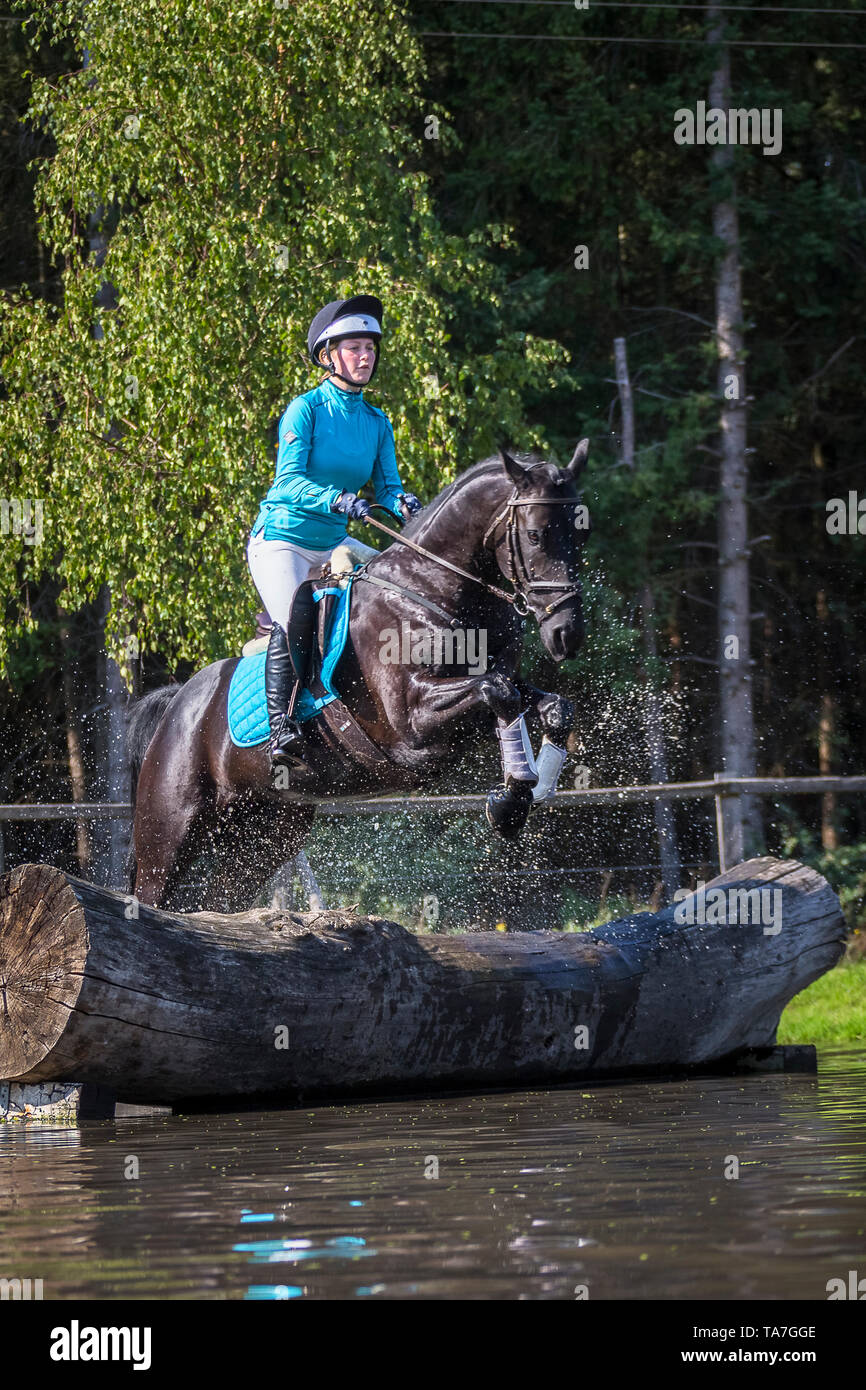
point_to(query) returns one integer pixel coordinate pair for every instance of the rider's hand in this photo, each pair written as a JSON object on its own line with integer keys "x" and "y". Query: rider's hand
{"x": 353, "y": 506}
{"x": 409, "y": 504}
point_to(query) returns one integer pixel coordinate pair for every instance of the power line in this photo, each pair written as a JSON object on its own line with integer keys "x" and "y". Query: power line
{"x": 617, "y": 38}
{"x": 651, "y": 5}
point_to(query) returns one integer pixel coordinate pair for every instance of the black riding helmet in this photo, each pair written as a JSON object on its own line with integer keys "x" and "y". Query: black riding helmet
{"x": 360, "y": 316}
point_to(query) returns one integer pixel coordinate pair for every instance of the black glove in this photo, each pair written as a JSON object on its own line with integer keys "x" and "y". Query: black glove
{"x": 409, "y": 503}
{"x": 352, "y": 506}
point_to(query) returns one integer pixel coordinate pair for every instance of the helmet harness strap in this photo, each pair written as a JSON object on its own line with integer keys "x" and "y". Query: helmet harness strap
{"x": 332, "y": 370}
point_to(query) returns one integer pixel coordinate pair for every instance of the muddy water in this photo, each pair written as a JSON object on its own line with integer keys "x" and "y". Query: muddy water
{"x": 618, "y": 1191}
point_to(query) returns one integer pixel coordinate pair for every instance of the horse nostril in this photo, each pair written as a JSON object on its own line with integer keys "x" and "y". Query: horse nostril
{"x": 566, "y": 639}
{"x": 558, "y": 640}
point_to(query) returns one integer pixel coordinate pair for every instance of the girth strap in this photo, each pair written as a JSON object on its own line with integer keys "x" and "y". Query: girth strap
{"x": 341, "y": 733}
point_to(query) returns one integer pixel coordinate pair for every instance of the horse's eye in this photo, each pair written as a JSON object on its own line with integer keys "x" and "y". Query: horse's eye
{"x": 534, "y": 537}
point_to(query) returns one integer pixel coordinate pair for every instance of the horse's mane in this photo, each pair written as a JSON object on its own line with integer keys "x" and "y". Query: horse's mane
{"x": 493, "y": 464}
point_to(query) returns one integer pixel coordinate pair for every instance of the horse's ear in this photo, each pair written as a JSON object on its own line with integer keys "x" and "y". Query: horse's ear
{"x": 578, "y": 459}
{"x": 518, "y": 474}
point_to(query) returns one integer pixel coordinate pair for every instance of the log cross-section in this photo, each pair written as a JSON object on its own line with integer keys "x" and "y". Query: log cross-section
{"x": 158, "y": 1007}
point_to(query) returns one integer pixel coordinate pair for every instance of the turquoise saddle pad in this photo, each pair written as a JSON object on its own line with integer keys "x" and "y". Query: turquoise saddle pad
{"x": 247, "y": 711}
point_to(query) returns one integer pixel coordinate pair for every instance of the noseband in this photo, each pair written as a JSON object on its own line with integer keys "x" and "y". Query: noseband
{"x": 520, "y": 575}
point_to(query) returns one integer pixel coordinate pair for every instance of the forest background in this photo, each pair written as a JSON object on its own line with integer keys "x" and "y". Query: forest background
{"x": 185, "y": 185}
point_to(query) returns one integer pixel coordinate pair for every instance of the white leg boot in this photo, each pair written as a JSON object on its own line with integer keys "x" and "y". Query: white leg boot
{"x": 549, "y": 763}
{"x": 518, "y": 762}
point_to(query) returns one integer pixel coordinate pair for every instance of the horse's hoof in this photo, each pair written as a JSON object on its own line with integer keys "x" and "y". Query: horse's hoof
{"x": 508, "y": 808}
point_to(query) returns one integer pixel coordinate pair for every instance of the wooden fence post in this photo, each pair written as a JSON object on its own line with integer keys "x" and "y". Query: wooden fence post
{"x": 730, "y": 831}
{"x": 720, "y": 828}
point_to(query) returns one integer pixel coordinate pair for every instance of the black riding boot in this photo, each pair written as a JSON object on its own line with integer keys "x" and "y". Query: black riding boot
{"x": 287, "y": 739}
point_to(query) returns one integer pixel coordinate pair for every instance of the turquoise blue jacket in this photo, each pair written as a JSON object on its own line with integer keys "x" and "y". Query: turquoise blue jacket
{"x": 330, "y": 441}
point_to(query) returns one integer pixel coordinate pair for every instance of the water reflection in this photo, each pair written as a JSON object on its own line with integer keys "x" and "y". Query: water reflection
{"x": 618, "y": 1189}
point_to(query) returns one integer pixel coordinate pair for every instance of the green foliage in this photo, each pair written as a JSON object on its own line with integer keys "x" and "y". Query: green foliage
{"x": 583, "y": 913}
{"x": 429, "y": 871}
{"x": 844, "y": 868}
{"x": 244, "y": 167}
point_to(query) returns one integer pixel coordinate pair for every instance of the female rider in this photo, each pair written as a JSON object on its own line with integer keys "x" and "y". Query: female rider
{"x": 331, "y": 442}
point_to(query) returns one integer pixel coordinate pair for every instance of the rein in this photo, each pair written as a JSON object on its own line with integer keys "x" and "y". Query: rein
{"x": 437, "y": 559}
{"x": 518, "y": 599}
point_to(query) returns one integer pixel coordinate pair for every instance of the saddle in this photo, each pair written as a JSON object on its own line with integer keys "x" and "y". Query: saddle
{"x": 318, "y": 630}
{"x": 343, "y": 561}
{"x": 342, "y": 753}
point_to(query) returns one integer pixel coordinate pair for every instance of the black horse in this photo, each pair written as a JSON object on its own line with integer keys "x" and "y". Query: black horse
{"x": 396, "y": 723}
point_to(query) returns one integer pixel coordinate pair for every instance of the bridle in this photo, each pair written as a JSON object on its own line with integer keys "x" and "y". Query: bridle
{"x": 517, "y": 564}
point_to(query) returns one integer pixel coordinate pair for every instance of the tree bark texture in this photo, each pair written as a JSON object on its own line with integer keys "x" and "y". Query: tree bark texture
{"x": 742, "y": 820}
{"x": 159, "y": 1007}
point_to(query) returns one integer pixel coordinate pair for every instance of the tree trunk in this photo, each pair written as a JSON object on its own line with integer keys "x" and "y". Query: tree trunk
{"x": 167, "y": 1008}
{"x": 77, "y": 776}
{"x": 113, "y": 839}
{"x": 742, "y": 818}
{"x": 663, "y": 811}
{"x": 826, "y": 735}
{"x": 826, "y": 672}
{"x": 112, "y": 836}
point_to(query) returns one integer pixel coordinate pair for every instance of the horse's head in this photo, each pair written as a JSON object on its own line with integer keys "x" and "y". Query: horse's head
{"x": 538, "y": 534}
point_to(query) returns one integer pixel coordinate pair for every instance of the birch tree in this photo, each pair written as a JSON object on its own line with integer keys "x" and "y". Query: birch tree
{"x": 254, "y": 162}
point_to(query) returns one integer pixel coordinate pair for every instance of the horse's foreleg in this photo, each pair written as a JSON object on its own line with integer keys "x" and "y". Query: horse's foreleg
{"x": 556, "y": 714}
{"x": 508, "y": 806}
{"x": 429, "y": 698}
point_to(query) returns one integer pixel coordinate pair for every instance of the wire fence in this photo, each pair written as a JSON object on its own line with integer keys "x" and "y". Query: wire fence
{"x": 560, "y": 880}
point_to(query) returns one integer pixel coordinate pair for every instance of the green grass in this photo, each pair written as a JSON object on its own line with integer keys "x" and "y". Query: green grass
{"x": 831, "y": 1012}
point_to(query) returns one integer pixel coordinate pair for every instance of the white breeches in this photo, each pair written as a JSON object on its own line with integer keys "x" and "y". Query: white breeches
{"x": 278, "y": 568}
